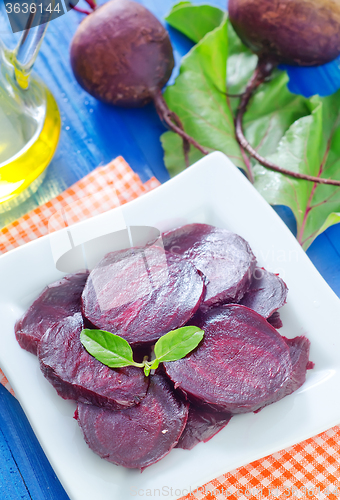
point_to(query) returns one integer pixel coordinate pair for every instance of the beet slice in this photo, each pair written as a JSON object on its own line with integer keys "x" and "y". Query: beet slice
{"x": 241, "y": 365}
{"x": 57, "y": 301}
{"x": 267, "y": 293}
{"x": 140, "y": 436}
{"x": 142, "y": 293}
{"x": 223, "y": 257}
{"x": 75, "y": 374}
{"x": 201, "y": 426}
{"x": 299, "y": 353}
{"x": 275, "y": 320}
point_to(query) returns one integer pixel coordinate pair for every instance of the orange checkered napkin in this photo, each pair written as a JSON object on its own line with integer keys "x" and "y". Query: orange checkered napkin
{"x": 105, "y": 188}
{"x": 309, "y": 470}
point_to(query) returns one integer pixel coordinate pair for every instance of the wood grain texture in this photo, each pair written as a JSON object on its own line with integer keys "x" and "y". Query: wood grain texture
{"x": 25, "y": 472}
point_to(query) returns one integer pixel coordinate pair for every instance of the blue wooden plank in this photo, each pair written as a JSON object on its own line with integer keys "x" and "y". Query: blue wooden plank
{"x": 333, "y": 235}
{"x": 24, "y": 469}
{"x": 12, "y": 485}
{"x": 324, "y": 80}
{"x": 325, "y": 255}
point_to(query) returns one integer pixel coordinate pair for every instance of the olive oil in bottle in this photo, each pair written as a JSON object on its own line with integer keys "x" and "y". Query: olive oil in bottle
{"x": 23, "y": 163}
{"x": 29, "y": 129}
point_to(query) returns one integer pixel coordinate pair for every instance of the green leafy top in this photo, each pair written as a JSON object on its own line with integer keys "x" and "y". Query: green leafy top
{"x": 312, "y": 146}
{"x": 116, "y": 352}
{"x": 297, "y": 133}
{"x": 203, "y": 109}
{"x": 195, "y": 26}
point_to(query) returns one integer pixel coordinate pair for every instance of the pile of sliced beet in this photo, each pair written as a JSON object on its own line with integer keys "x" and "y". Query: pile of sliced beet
{"x": 204, "y": 276}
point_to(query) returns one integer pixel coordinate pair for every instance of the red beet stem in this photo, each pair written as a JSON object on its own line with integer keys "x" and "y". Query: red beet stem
{"x": 262, "y": 72}
{"x": 78, "y": 9}
{"x": 175, "y": 124}
{"x": 92, "y": 4}
{"x": 186, "y": 144}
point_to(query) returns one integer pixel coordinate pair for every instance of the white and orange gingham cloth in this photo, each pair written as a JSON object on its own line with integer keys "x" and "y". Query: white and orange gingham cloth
{"x": 310, "y": 469}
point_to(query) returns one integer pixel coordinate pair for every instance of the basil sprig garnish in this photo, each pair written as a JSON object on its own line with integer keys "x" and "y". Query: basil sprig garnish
{"x": 116, "y": 352}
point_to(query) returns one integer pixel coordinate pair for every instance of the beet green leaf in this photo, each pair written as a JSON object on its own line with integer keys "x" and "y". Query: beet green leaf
{"x": 312, "y": 146}
{"x": 194, "y": 21}
{"x": 198, "y": 97}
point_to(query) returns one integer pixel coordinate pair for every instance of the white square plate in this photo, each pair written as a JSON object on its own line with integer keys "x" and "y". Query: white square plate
{"x": 212, "y": 191}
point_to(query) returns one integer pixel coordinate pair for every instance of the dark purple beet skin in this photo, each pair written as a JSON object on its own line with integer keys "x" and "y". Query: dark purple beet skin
{"x": 299, "y": 353}
{"x": 58, "y": 300}
{"x": 267, "y": 293}
{"x": 140, "y": 436}
{"x": 121, "y": 54}
{"x": 76, "y": 375}
{"x": 142, "y": 293}
{"x": 202, "y": 425}
{"x": 225, "y": 259}
{"x": 291, "y": 31}
{"x": 242, "y": 364}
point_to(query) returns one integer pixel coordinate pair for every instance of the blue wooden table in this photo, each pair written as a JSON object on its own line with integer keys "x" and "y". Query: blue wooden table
{"x": 93, "y": 134}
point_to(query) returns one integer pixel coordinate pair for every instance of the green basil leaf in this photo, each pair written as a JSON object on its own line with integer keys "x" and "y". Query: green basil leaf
{"x": 178, "y": 343}
{"x": 108, "y": 348}
{"x": 194, "y": 21}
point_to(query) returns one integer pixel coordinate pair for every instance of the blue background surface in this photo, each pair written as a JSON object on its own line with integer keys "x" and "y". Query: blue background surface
{"x": 92, "y": 134}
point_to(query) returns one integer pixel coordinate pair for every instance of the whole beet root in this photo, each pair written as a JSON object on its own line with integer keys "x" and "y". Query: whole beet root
{"x": 296, "y": 32}
{"x": 121, "y": 54}
{"x": 303, "y": 32}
